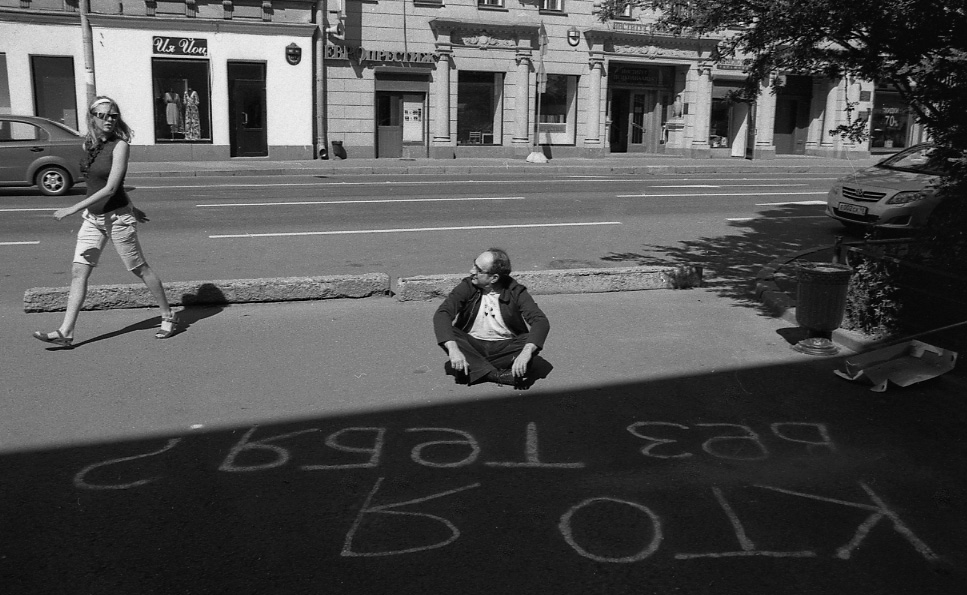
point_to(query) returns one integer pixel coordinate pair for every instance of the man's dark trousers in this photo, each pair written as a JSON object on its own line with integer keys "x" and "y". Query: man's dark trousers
{"x": 484, "y": 357}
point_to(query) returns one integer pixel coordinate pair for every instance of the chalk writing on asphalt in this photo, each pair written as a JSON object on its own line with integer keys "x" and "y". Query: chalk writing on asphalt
{"x": 363, "y": 447}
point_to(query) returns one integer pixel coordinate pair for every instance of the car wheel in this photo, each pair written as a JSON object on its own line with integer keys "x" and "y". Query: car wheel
{"x": 53, "y": 180}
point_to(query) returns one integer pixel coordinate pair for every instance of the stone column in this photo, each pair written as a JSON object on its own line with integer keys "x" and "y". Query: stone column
{"x": 703, "y": 112}
{"x": 441, "y": 116}
{"x": 522, "y": 132}
{"x": 765, "y": 121}
{"x": 592, "y": 135}
{"x": 830, "y": 144}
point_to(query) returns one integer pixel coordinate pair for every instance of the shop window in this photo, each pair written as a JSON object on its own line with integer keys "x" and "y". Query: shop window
{"x": 182, "y": 101}
{"x": 718, "y": 134}
{"x": 890, "y": 121}
{"x": 479, "y": 101}
{"x": 54, "y": 89}
{"x": 558, "y": 110}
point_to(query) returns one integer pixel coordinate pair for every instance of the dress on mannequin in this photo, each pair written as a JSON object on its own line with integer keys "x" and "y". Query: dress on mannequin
{"x": 173, "y": 111}
{"x": 192, "y": 119}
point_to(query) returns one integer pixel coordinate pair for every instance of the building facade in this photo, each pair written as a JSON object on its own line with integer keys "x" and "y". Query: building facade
{"x": 299, "y": 79}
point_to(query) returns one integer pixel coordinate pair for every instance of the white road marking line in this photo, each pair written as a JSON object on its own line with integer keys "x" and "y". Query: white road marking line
{"x": 797, "y": 202}
{"x": 411, "y": 229}
{"x": 560, "y": 180}
{"x": 730, "y": 185}
{"x": 19, "y": 243}
{"x": 824, "y": 192}
{"x": 738, "y": 219}
{"x": 351, "y": 202}
{"x": 25, "y": 210}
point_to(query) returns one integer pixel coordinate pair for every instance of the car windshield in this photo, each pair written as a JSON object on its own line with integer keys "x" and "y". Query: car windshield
{"x": 925, "y": 159}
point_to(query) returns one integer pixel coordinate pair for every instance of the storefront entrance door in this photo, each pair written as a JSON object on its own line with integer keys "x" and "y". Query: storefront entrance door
{"x": 400, "y": 124}
{"x": 792, "y": 124}
{"x": 246, "y": 106}
{"x": 636, "y": 122}
{"x": 389, "y": 124}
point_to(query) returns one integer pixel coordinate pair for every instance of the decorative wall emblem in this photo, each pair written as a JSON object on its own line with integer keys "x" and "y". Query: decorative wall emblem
{"x": 484, "y": 39}
{"x": 293, "y": 54}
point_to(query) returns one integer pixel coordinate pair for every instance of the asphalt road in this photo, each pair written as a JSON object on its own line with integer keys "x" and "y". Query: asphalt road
{"x": 224, "y": 228}
{"x": 679, "y": 445}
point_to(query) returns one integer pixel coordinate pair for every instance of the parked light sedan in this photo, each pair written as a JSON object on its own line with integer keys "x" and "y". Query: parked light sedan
{"x": 39, "y": 152}
{"x": 899, "y": 192}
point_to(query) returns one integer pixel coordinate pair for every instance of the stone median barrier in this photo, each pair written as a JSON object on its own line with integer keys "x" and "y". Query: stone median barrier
{"x": 565, "y": 281}
{"x": 282, "y": 289}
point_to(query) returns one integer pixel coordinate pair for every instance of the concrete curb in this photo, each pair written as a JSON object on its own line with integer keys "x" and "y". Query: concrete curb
{"x": 462, "y": 169}
{"x": 564, "y": 281}
{"x": 236, "y": 291}
{"x": 192, "y": 293}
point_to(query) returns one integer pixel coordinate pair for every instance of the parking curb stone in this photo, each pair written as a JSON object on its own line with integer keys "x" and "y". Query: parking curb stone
{"x": 192, "y": 293}
{"x": 587, "y": 280}
{"x": 237, "y": 291}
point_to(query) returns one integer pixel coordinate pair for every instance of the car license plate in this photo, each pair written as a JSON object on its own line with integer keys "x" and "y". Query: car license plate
{"x": 854, "y": 209}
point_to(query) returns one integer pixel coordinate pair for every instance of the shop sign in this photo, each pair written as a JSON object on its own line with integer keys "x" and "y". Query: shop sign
{"x": 181, "y": 46}
{"x": 627, "y": 75}
{"x": 732, "y": 64}
{"x": 362, "y": 55}
{"x": 638, "y": 28}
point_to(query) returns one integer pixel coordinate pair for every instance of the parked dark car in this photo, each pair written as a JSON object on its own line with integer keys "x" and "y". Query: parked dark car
{"x": 899, "y": 192}
{"x": 39, "y": 152}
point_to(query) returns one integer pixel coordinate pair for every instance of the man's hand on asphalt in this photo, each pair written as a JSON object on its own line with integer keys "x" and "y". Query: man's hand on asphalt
{"x": 522, "y": 360}
{"x": 457, "y": 360}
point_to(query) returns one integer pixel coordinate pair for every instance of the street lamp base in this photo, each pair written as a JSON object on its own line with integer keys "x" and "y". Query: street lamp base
{"x": 816, "y": 346}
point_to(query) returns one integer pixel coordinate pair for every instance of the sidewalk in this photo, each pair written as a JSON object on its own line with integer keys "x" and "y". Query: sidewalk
{"x": 626, "y": 164}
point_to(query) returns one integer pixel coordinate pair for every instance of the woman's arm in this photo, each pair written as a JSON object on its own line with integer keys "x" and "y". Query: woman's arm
{"x": 119, "y": 167}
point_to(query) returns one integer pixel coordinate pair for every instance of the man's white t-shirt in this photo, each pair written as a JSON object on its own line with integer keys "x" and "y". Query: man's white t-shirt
{"x": 489, "y": 325}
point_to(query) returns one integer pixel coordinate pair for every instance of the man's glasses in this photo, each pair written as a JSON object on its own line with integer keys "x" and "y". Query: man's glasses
{"x": 478, "y": 270}
{"x": 106, "y": 117}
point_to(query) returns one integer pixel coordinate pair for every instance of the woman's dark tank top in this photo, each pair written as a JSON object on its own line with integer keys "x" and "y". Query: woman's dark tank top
{"x": 97, "y": 175}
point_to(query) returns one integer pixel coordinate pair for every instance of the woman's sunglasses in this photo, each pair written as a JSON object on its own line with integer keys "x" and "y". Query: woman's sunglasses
{"x": 106, "y": 116}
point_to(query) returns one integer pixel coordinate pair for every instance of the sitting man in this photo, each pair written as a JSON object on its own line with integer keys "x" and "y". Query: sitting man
{"x": 481, "y": 324}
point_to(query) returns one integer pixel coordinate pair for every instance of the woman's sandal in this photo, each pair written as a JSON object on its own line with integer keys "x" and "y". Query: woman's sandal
{"x": 60, "y": 339}
{"x": 171, "y": 330}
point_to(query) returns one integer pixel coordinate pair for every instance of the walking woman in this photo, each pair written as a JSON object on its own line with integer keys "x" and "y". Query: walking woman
{"x": 107, "y": 214}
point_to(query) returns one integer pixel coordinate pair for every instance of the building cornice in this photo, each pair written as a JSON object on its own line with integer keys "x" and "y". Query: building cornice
{"x": 447, "y": 25}
{"x": 39, "y": 17}
{"x": 202, "y": 25}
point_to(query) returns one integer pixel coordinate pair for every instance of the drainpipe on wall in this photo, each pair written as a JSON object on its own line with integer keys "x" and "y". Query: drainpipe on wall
{"x": 87, "y": 40}
{"x": 322, "y": 150}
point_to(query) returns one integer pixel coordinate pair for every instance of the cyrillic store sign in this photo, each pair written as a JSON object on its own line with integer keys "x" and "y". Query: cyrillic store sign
{"x": 181, "y": 46}
{"x": 360, "y": 54}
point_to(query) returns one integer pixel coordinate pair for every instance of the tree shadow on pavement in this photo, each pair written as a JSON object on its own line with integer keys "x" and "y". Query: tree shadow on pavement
{"x": 597, "y": 489}
{"x": 730, "y": 263}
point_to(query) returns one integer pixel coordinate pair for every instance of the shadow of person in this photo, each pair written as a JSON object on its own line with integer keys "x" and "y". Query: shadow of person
{"x": 144, "y": 325}
{"x": 208, "y": 301}
{"x": 539, "y": 369}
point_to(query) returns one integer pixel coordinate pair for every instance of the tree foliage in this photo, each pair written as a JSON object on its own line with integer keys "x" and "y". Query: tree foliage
{"x": 917, "y": 46}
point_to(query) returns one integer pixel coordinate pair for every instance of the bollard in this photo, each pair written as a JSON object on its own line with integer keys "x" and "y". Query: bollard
{"x": 821, "y": 304}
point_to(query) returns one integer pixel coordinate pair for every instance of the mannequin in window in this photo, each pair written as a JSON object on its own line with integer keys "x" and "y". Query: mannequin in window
{"x": 192, "y": 119}
{"x": 173, "y": 111}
